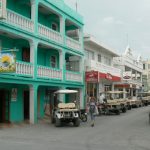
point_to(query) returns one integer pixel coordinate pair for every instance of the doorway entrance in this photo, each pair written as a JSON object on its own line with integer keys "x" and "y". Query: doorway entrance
{"x": 26, "y": 105}
{"x": 4, "y": 106}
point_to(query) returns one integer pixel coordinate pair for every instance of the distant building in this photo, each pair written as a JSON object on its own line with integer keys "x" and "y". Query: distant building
{"x": 100, "y": 74}
{"x": 146, "y": 75}
{"x": 131, "y": 72}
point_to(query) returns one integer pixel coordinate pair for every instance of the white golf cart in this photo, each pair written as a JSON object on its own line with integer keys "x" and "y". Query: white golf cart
{"x": 65, "y": 112}
{"x": 144, "y": 97}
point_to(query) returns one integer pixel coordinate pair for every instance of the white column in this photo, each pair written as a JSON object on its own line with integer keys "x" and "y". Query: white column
{"x": 112, "y": 88}
{"x": 33, "y": 104}
{"x": 62, "y": 63}
{"x": 62, "y": 28}
{"x": 34, "y": 14}
{"x": 81, "y": 98}
{"x": 81, "y": 66}
{"x": 81, "y": 37}
{"x": 124, "y": 94}
{"x": 33, "y": 56}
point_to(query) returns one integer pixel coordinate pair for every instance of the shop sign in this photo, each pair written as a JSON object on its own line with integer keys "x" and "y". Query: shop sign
{"x": 92, "y": 76}
{"x": 14, "y": 94}
{"x": 109, "y": 76}
{"x": 7, "y": 62}
{"x": 3, "y": 12}
{"x": 127, "y": 75}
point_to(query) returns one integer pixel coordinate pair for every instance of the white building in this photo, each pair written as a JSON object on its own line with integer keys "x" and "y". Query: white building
{"x": 146, "y": 75}
{"x": 131, "y": 70}
{"x": 99, "y": 71}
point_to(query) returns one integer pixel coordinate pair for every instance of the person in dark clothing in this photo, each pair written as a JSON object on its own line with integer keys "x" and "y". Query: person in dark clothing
{"x": 92, "y": 108}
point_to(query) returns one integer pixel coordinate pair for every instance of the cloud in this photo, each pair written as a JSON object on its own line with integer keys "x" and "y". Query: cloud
{"x": 112, "y": 20}
{"x": 108, "y": 20}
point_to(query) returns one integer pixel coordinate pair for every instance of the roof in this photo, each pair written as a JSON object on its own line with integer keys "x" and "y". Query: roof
{"x": 92, "y": 41}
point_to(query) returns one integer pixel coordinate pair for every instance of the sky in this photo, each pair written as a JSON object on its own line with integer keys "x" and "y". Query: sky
{"x": 117, "y": 23}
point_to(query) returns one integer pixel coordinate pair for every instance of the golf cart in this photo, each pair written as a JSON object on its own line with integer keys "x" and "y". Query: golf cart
{"x": 111, "y": 106}
{"x": 120, "y": 101}
{"x": 144, "y": 97}
{"x": 65, "y": 112}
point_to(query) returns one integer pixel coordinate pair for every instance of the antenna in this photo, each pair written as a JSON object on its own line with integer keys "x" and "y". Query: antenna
{"x": 76, "y": 4}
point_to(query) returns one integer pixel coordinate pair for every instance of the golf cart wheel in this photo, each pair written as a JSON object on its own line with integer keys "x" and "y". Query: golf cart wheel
{"x": 124, "y": 110}
{"x": 76, "y": 122}
{"x": 129, "y": 107}
{"x": 58, "y": 122}
{"x": 117, "y": 112}
{"x": 83, "y": 117}
{"x": 52, "y": 120}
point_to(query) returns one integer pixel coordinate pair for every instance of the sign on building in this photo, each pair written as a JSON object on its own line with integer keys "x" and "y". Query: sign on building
{"x": 7, "y": 62}
{"x": 92, "y": 76}
{"x": 127, "y": 75}
{"x": 3, "y": 12}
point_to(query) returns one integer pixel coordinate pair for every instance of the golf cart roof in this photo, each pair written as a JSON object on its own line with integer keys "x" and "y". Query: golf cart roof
{"x": 66, "y": 91}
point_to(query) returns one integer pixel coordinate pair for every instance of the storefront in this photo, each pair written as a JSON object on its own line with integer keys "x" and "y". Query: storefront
{"x": 97, "y": 82}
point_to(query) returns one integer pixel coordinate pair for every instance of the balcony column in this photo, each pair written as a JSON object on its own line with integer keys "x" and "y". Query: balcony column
{"x": 34, "y": 15}
{"x": 81, "y": 66}
{"x": 81, "y": 37}
{"x": 62, "y": 63}
{"x": 33, "y": 103}
{"x": 33, "y": 56}
{"x": 62, "y": 28}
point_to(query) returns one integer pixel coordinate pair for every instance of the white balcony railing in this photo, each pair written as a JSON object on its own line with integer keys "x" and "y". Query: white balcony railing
{"x": 24, "y": 68}
{"x": 73, "y": 76}
{"x": 19, "y": 21}
{"x": 49, "y": 73}
{"x": 94, "y": 65}
{"x": 73, "y": 43}
{"x": 50, "y": 34}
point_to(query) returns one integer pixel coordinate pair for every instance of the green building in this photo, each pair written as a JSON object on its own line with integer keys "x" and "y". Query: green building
{"x": 48, "y": 38}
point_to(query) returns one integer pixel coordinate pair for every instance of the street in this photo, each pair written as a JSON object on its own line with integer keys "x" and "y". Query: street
{"x": 128, "y": 131}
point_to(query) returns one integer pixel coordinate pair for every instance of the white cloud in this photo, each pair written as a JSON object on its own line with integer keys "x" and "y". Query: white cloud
{"x": 108, "y": 20}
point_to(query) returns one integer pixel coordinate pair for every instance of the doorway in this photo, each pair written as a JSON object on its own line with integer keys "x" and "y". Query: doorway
{"x": 4, "y": 106}
{"x": 26, "y": 105}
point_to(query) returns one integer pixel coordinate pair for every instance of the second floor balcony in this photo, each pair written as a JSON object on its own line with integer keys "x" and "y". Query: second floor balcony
{"x": 97, "y": 66}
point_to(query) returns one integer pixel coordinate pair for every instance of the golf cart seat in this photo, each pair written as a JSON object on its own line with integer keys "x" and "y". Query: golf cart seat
{"x": 66, "y": 105}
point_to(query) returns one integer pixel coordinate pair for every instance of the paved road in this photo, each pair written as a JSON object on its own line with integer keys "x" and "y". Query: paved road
{"x": 129, "y": 131}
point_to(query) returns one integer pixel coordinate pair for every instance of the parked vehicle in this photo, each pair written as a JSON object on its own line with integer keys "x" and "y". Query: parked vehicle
{"x": 144, "y": 97}
{"x": 66, "y": 112}
{"x": 112, "y": 105}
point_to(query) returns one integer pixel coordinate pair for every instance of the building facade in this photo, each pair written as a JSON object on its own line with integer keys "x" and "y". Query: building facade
{"x": 47, "y": 37}
{"x": 146, "y": 75}
{"x": 100, "y": 73}
{"x": 131, "y": 73}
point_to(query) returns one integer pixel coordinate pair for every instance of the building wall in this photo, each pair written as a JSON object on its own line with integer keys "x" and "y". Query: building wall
{"x": 20, "y": 30}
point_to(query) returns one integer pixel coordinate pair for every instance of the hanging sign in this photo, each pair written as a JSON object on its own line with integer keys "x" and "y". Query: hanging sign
{"x": 127, "y": 75}
{"x": 3, "y": 12}
{"x": 7, "y": 62}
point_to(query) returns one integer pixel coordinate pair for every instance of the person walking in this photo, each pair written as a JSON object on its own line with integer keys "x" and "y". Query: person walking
{"x": 92, "y": 110}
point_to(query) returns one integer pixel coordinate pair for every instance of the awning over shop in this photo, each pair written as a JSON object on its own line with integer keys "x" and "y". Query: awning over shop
{"x": 96, "y": 76}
